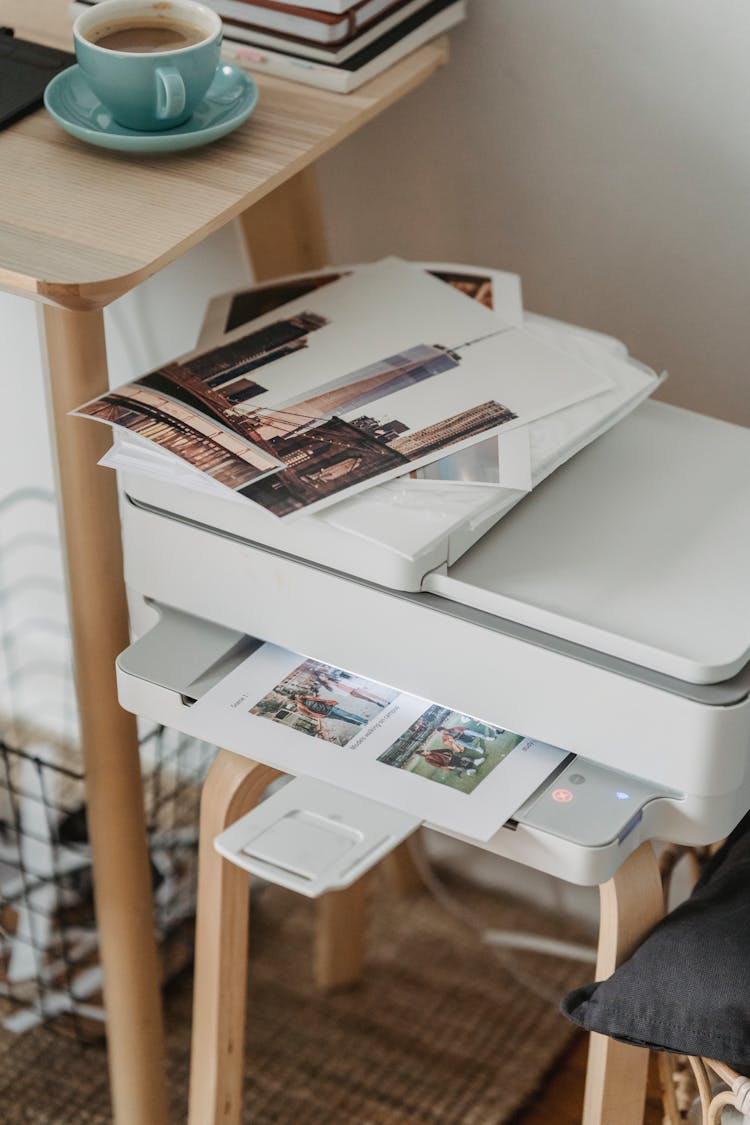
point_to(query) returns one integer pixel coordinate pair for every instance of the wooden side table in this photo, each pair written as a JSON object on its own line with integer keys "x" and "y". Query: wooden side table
{"x": 80, "y": 227}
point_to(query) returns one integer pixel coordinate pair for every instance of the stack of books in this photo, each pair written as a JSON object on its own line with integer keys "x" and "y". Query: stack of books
{"x": 334, "y": 44}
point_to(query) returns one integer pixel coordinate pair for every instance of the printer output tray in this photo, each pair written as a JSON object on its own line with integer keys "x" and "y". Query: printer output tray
{"x": 580, "y": 824}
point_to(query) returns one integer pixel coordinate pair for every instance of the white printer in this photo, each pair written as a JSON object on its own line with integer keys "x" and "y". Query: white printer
{"x": 607, "y": 614}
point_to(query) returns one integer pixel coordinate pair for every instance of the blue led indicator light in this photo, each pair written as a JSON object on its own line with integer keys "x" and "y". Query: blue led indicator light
{"x": 621, "y": 796}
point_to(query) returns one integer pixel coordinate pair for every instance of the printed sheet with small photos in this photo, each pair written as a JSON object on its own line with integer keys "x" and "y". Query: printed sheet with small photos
{"x": 306, "y": 717}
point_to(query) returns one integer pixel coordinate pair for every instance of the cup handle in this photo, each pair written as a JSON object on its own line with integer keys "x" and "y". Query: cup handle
{"x": 170, "y": 93}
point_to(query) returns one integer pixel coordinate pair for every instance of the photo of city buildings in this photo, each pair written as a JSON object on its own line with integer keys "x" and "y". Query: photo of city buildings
{"x": 221, "y": 365}
{"x": 193, "y": 436}
{"x": 194, "y": 408}
{"x": 473, "y": 285}
{"x": 319, "y": 461}
{"x": 261, "y": 299}
{"x": 384, "y": 377}
{"x": 441, "y": 435}
{"x": 323, "y": 453}
{"x": 299, "y": 451}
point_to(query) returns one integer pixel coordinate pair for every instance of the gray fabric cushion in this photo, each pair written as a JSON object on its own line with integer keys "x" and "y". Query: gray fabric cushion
{"x": 687, "y": 987}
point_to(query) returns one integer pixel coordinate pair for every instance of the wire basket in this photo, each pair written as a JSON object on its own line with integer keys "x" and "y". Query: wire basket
{"x": 49, "y": 967}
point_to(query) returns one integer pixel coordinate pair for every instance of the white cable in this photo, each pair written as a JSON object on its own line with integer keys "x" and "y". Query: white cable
{"x": 476, "y": 923}
{"x": 535, "y": 943}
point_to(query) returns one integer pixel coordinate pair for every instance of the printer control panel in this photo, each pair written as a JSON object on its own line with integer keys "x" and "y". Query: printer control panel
{"x": 590, "y": 804}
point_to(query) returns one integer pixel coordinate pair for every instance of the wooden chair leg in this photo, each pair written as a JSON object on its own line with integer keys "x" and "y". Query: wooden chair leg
{"x": 401, "y": 871}
{"x": 233, "y": 786}
{"x": 342, "y": 918}
{"x": 340, "y": 937}
{"x": 630, "y": 906}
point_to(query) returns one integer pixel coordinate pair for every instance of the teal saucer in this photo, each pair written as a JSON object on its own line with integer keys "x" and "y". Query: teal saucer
{"x": 230, "y": 99}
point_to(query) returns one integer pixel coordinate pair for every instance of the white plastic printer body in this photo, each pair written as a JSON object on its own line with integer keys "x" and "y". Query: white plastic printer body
{"x": 608, "y": 614}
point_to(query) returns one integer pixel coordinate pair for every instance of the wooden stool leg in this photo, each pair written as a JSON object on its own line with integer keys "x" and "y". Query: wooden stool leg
{"x": 233, "y": 786}
{"x": 340, "y": 939}
{"x": 630, "y": 906}
{"x": 400, "y": 870}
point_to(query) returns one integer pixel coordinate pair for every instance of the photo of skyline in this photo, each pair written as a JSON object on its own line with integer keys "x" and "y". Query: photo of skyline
{"x": 476, "y": 286}
{"x": 297, "y": 453}
{"x": 194, "y": 437}
{"x": 249, "y": 304}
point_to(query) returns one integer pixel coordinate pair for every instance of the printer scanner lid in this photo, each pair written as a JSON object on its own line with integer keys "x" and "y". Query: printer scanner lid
{"x": 638, "y": 547}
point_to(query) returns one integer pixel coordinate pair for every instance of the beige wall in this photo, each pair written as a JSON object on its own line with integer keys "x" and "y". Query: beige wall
{"x": 600, "y": 149}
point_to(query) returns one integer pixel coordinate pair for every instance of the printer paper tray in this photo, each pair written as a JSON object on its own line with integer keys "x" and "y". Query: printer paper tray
{"x": 181, "y": 658}
{"x": 304, "y": 716}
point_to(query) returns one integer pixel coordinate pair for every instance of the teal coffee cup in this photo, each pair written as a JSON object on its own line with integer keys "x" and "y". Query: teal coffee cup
{"x": 149, "y": 64}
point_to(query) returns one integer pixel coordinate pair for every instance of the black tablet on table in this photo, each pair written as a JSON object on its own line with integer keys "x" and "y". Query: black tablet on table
{"x": 25, "y": 70}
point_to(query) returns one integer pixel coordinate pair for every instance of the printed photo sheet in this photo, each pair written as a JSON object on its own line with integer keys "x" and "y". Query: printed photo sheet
{"x": 307, "y": 717}
{"x": 495, "y": 289}
{"x": 355, "y": 382}
{"x": 514, "y": 459}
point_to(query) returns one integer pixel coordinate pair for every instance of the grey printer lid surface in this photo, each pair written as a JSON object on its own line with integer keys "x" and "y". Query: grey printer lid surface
{"x": 639, "y": 547}
{"x": 637, "y": 552}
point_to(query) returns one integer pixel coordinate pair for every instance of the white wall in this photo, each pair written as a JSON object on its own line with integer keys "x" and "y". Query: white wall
{"x": 602, "y": 150}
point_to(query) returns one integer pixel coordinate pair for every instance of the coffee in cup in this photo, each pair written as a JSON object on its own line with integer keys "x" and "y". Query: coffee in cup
{"x": 146, "y": 36}
{"x": 148, "y": 61}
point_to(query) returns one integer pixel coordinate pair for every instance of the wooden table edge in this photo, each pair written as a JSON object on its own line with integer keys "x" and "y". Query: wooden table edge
{"x": 97, "y": 294}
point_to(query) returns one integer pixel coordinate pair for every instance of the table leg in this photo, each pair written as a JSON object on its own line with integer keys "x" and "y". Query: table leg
{"x": 284, "y": 231}
{"x": 233, "y": 786}
{"x": 630, "y": 906}
{"x": 73, "y": 344}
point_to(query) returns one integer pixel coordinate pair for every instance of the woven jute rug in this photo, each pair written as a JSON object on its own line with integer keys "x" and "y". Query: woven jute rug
{"x": 439, "y": 1032}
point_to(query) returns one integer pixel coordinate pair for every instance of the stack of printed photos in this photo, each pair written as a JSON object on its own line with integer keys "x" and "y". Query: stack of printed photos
{"x": 334, "y": 44}
{"x": 310, "y": 390}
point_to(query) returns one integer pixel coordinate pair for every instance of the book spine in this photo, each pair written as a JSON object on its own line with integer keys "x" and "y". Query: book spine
{"x": 257, "y": 37}
{"x": 263, "y": 61}
{"x": 332, "y": 7}
{"x": 327, "y": 53}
